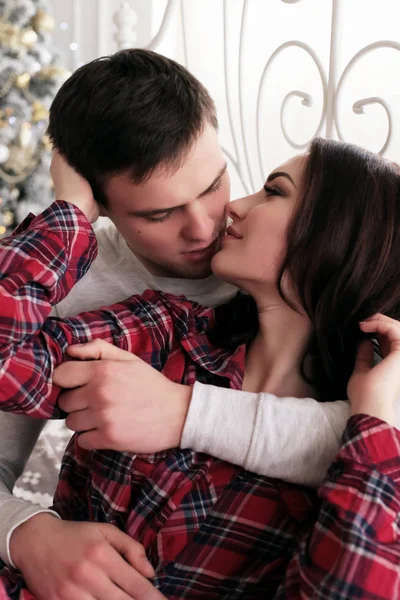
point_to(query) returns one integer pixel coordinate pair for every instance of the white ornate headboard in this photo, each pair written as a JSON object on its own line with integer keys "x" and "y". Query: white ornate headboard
{"x": 280, "y": 71}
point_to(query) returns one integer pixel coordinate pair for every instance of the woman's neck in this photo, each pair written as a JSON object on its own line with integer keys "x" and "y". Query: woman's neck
{"x": 274, "y": 358}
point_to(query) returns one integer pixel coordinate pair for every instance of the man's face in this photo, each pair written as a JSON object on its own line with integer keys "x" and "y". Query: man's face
{"x": 174, "y": 222}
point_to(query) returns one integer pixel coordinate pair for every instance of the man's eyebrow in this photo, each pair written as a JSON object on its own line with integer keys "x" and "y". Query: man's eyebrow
{"x": 161, "y": 211}
{"x": 280, "y": 174}
{"x": 213, "y": 184}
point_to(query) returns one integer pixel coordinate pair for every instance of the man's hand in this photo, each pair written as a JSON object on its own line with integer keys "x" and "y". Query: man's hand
{"x": 374, "y": 389}
{"x": 63, "y": 560}
{"x": 72, "y": 187}
{"x": 122, "y": 403}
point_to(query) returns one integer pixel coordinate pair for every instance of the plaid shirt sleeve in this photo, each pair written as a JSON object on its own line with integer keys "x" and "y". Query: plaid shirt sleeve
{"x": 353, "y": 549}
{"x": 39, "y": 264}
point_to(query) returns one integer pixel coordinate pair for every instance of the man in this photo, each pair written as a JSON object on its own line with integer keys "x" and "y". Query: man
{"x": 142, "y": 131}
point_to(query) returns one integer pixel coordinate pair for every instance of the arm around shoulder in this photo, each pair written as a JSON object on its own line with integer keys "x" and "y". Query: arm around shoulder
{"x": 295, "y": 439}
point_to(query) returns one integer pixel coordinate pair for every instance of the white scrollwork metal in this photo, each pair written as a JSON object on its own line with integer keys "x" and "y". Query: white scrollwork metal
{"x": 175, "y": 18}
{"x": 306, "y": 98}
{"x": 170, "y": 10}
{"x": 76, "y": 31}
{"x": 358, "y": 106}
{"x": 125, "y": 18}
{"x": 234, "y": 160}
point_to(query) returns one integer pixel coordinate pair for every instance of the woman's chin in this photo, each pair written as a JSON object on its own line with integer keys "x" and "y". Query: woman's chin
{"x": 222, "y": 267}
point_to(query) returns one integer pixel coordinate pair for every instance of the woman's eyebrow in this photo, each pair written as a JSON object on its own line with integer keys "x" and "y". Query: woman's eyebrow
{"x": 280, "y": 174}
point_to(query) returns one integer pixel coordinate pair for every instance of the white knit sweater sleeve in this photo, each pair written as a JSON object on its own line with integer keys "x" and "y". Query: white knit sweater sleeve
{"x": 18, "y": 435}
{"x": 288, "y": 438}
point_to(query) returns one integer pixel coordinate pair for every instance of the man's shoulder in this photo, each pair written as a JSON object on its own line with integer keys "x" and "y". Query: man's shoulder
{"x": 113, "y": 276}
{"x": 110, "y": 242}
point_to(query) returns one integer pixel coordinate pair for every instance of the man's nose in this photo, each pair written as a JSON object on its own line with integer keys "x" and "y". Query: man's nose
{"x": 199, "y": 226}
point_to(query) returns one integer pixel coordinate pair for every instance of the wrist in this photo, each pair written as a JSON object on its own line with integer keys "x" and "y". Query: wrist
{"x": 383, "y": 412}
{"x": 30, "y": 529}
{"x": 85, "y": 205}
{"x": 183, "y": 396}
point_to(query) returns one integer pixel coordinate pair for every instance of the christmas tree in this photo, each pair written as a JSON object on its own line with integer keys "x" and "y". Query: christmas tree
{"x": 29, "y": 78}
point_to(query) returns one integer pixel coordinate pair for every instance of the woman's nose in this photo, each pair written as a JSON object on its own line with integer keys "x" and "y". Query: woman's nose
{"x": 238, "y": 209}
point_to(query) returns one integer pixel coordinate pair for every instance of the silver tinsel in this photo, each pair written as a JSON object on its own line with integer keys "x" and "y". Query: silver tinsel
{"x": 30, "y": 75}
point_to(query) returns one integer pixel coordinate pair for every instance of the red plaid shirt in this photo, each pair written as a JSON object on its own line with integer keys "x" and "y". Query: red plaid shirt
{"x": 211, "y": 529}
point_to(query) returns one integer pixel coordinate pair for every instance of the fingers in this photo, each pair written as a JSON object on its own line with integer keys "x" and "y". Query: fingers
{"x": 101, "y": 586}
{"x": 74, "y": 400}
{"x": 91, "y": 440}
{"x": 81, "y": 420}
{"x": 130, "y": 549}
{"x": 72, "y": 374}
{"x": 365, "y": 357}
{"x": 385, "y": 326}
{"x": 132, "y": 580}
{"x": 99, "y": 350}
{"x": 99, "y": 438}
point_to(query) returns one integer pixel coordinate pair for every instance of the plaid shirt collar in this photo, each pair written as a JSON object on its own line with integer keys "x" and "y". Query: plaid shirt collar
{"x": 219, "y": 362}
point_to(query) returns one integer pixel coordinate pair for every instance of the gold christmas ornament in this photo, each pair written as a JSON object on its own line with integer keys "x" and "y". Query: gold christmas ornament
{"x": 22, "y": 81}
{"x": 4, "y": 153}
{"x": 50, "y": 71}
{"x": 42, "y": 21}
{"x": 39, "y": 112}
{"x": 16, "y": 38}
{"x": 25, "y": 135}
{"x": 2, "y": 229}
{"x": 10, "y": 35}
{"x": 8, "y": 218}
{"x": 20, "y": 161}
{"x": 29, "y": 38}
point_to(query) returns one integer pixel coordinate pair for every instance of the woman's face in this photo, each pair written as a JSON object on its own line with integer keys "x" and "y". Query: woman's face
{"x": 255, "y": 244}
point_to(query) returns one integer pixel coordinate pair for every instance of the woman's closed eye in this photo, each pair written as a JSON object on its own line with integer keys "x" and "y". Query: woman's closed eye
{"x": 272, "y": 191}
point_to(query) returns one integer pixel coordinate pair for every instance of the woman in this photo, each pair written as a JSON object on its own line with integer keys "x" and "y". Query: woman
{"x": 305, "y": 252}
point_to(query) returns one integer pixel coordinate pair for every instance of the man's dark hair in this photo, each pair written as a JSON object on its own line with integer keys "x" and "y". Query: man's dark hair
{"x": 130, "y": 112}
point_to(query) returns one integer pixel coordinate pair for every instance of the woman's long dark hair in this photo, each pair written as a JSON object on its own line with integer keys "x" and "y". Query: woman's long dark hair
{"x": 343, "y": 259}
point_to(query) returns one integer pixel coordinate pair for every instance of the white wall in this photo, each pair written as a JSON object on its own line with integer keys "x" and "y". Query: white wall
{"x": 323, "y": 57}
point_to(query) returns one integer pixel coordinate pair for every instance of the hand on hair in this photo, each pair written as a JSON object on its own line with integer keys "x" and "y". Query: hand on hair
{"x": 72, "y": 187}
{"x": 374, "y": 389}
{"x": 120, "y": 402}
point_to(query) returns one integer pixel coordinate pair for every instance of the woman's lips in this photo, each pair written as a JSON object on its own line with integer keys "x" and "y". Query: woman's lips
{"x": 232, "y": 233}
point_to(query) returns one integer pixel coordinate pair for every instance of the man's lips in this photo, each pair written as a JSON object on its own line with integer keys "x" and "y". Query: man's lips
{"x": 204, "y": 252}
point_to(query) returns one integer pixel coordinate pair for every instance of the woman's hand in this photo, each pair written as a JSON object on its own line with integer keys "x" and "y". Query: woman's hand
{"x": 72, "y": 187}
{"x": 373, "y": 390}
